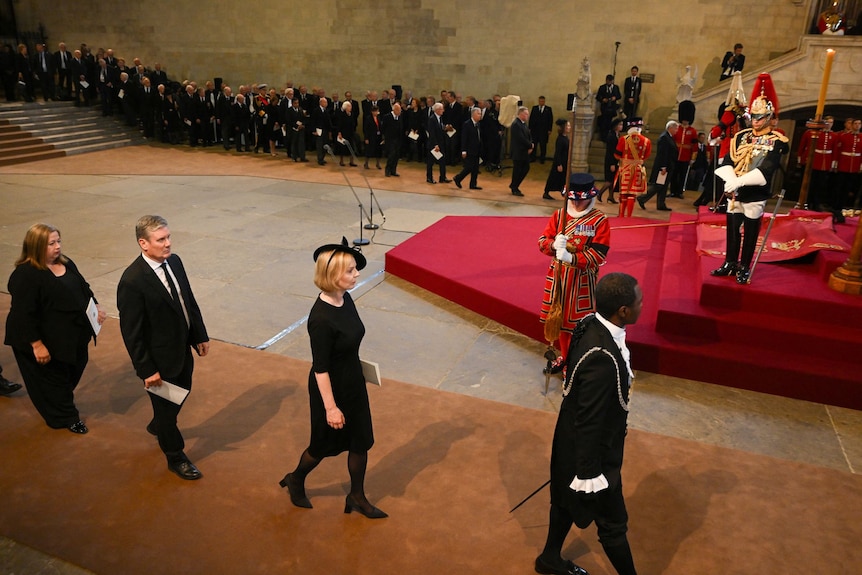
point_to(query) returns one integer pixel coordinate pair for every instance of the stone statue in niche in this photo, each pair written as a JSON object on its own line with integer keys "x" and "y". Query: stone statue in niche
{"x": 583, "y": 91}
{"x": 685, "y": 84}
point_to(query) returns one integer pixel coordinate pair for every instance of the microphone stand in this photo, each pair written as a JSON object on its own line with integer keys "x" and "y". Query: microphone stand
{"x": 373, "y": 200}
{"x": 362, "y": 214}
{"x": 617, "y": 49}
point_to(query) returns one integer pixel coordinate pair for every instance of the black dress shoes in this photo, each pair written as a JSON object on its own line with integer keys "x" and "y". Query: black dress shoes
{"x": 568, "y": 568}
{"x": 372, "y": 512}
{"x": 641, "y": 203}
{"x": 7, "y": 387}
{"x": 296, "y": 490}
{"x": 743, "y": 275}
{"x": 547, "y": 196}
{"x": 445, "y": 180}
{"x": 185, "y": 469}
{"x": 726, "y": 269}
{"x": 458, "y": 183}
{"x": 78, "y": 427}
{"x": 518, "y": 193}
{"x": 664, "y": 209}
{"x": 475, "y": 187}
{"x": 431, "y": 181}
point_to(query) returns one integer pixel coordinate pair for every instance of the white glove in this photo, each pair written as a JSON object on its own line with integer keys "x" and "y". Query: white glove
{"x": 726, "y": 173}
{"x": 753, "y": 178}
{"x": 589, "y": 485}
{"x": 560, "y": 241}
{"x": 564, "y": 256}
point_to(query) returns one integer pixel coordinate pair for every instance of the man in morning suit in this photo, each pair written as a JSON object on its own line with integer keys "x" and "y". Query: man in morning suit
{"x": 662, "y": 168}
{"x": 471, "y": 147}
{"x": 589, "y": 439}
{"x": 521, "y": 146}
{"x": 161, "y": 323}
{"x": 541, "y": 124}
{"x": 436, "y": 142}
{"x": 393, "y": 131}
{"x": 321, "y": 125}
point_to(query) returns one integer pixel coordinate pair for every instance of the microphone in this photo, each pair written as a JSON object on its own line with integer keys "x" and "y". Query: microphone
{"x": 617, "y": 44}
{"x": 328, "y": 149}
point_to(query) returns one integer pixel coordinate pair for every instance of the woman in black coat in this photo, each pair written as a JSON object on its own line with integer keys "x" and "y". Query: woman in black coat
{"x": 557, "y": 176}
{"x": 346, "y": 125}
{"x": 48, "y": 328}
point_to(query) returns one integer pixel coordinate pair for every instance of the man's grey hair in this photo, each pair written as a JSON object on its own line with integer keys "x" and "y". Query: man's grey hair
{"x": 671, "y": 124}
{"x": 147, "y": 225}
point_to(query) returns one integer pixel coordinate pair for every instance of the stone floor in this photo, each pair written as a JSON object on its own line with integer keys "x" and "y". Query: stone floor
{"x": 246, "y": 226}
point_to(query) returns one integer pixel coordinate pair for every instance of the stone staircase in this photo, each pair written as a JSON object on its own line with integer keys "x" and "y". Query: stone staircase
{"x": 38, "y": 131}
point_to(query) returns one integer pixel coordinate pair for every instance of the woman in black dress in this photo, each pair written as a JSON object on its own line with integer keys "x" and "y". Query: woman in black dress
{"x": 47, "y": 326}
{"x": 346, "y": 126}
{"x": 557, "y": 176}
{"x": 340, "y": 413}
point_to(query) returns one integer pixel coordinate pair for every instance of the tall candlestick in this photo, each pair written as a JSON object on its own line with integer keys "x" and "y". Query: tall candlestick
{"x": 821, "y": 100}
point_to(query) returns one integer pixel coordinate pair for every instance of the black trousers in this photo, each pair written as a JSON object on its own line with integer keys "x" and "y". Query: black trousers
{"x": 659, "y": 190}
{"x": 165, "y": 414}
{"x": 520, "y": 169}
{"x": 393, "y": 154}
{"x": 51, "y": 386}
{"x": 429, "y": 166}
{"x": 471, "y": 167}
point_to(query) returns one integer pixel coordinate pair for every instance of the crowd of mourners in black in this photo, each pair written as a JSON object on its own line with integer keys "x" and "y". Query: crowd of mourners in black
{"x": 254, "y": 117}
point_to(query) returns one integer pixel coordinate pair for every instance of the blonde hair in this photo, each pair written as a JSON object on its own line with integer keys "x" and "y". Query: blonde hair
{"x": 330, "y": 266}
{"x": 34, "y": 251}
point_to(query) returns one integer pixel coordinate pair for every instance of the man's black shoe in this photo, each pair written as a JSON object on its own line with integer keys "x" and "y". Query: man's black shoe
{"x": 185, "y": 469}
{"x": 7, "y": 387}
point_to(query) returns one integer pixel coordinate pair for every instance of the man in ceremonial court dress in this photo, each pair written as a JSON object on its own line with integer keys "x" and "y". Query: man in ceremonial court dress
{"x": 754, "y": 156}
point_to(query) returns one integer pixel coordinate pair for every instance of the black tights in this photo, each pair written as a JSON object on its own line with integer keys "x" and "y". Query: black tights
{"x": 357, "y": 463}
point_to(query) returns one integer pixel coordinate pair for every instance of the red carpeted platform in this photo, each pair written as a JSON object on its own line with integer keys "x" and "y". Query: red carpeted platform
{"x": 786, "y": 334}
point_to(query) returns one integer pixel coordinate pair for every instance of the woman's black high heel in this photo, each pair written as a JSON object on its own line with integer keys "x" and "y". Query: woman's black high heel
{"x": 297, "y": 492}
{"x": 351, "y": 505}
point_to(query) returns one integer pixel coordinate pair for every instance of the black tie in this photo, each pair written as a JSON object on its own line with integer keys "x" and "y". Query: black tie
{"x": 174, "y": 294}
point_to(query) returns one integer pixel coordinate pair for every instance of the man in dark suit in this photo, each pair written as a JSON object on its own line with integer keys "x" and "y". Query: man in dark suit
{"x": 78, "y": 74}
{"x": 321, "y": 125}
{"x": 393, "y": 131}
{"x": 632, "y": 91}
{"x": 589, "y": 439}
{"x": 148, "y": 100}
{"x": 241, "y": 118}
{"x": 521, "y": 146}
{"x": 44, "y": 69}
{"x": 24, "y": 71}
{"x": 541, "y": 124}
{"x": 608, "y": 96}
{"x": 158, "y": 76}
{"x": 295, "y": 123}
{"x": 161, "y": 323}
{"x": 436, "y": 143}
{"x": 63, "y": 63}
{"x": 662, "y": 168}
{"x": 732, "y": 62}
{"x": 471, "y": 147}
{"x": 107, "y": 81}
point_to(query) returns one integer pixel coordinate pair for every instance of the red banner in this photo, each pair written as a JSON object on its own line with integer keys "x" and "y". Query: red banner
{"x": 792, "y": 236}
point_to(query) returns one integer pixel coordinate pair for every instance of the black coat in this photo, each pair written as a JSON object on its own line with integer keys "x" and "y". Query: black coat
{"x": 470, "y": 139}
{"x": 521, "y": 141}
{"x": 393, "y": 131}
{"x": 154, "y": 330}
{"x": 589, "y": 437}
{"x": 665, "y": 157}
{"x": 436, "y": 135}
{"x": 45, "y": 309}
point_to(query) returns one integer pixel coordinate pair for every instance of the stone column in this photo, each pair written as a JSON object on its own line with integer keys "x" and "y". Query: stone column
{"x": 582, "y": 132}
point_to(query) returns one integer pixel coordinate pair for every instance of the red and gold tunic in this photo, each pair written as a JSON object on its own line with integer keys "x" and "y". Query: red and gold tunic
{"x": 848, "y": 152}
{"x": 686, "y": 143}
{"x": 632, "y": 151}
{"x": 589, "y": 241}
{"x": 823, "y": 151}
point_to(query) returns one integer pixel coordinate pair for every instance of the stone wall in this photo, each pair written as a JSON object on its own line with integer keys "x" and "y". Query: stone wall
{"x": 477, "y": 48}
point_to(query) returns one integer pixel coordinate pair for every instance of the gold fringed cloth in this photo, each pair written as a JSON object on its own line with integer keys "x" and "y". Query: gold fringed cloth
{"x": 792, "y": 236}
